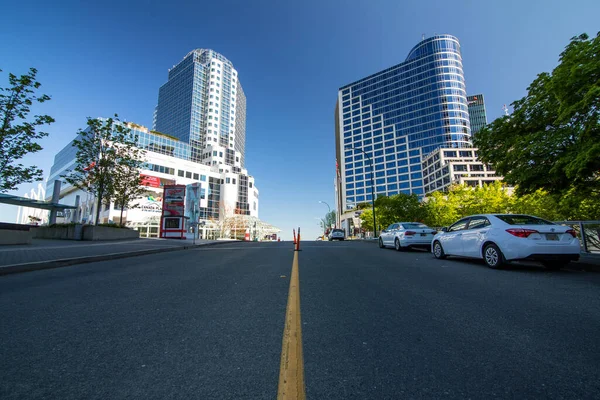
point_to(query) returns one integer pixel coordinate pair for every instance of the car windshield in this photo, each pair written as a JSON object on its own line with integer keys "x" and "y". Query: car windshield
{"x": 523, "y": 220}
{"x": 415, "y": 225}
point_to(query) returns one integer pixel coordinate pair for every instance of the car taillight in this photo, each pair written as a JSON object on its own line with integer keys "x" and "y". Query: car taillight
{"x": 410, "y": 233}
{"x": 522, "y": 233}
{"x": 572, "y": 232}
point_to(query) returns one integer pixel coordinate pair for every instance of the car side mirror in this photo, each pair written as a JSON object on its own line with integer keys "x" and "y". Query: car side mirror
{"x": 445, "y": 229}
{"x": 384, "y": 231}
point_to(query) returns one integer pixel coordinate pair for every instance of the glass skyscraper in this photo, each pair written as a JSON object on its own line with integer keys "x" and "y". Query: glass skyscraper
{"x": 477, "y": 113}
{"x": 203, "y": 104}
{"x": 396, "y": 117}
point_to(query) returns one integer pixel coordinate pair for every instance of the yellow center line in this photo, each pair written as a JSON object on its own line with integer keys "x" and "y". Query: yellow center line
{"x": 291, "y": 370}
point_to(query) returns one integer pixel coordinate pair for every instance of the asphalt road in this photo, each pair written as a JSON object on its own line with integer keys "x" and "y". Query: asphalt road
{"x": 377, "y": 324}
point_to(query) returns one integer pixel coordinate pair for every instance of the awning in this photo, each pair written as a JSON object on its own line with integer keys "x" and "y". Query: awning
{"x": 32, "y": 203}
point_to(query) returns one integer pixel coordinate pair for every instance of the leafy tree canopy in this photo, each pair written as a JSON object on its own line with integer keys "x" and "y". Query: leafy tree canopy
{"x": 552, "y": 139}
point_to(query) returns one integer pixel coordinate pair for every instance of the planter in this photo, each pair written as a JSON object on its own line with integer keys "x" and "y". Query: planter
{"x": 70, "y": 232}
{"x": 9, "y": 236}
{"x": 91, "y": 232}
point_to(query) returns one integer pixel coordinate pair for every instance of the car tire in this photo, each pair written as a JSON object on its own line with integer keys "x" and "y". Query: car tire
{"x": 493, "y": 257}
{"x": 555, "y": 265}
{"x": 438, "y": 250}
{"x": 381, "y": 246}
{"x": 398, "y": 245}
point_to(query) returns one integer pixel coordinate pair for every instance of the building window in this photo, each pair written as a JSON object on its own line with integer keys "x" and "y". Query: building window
{"x": 180, "y": 173}
{"x": 188, "y": 174}
{"x": 196, "y": 177}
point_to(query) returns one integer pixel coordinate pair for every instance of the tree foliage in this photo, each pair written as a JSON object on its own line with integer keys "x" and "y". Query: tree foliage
{"x": 106, "y": 161}
{"x": 552, "y": 139}
{"x": 126, "y": 183}
{"x": 18, "y": 132}
{"x": 444, "y": 208}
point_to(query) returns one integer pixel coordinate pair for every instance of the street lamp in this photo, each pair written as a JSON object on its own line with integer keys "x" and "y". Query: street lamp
{"x": 372, "y": 187}
{"x": 322, "y": 202}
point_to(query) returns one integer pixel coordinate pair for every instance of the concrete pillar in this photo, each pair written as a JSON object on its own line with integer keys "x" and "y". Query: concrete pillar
{"x": 76, "y": 210}
{"x": 55, "y": 199}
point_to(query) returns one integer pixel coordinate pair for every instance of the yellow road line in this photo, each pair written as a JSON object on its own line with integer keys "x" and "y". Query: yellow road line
{"x": 291, "y": 370}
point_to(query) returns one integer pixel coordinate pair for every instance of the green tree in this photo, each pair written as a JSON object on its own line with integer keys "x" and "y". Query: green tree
{"x": 104, "y": 147}
{"x": 366, "y": 219}
{"x": 398, "y": 208}
{"x": 440, "y": 209}
{"x": 328, "y": 221}
{"x": 126, "y": 182}
{"x": 18, "y": 133}
{"x": 552, "y": 139}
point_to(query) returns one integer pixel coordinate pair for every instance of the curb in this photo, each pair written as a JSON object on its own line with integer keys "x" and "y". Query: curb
{"x": 65, "y": 262}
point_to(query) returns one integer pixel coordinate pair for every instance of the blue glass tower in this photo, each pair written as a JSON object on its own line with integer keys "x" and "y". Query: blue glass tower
{"x": 203, "y": 104}
{"x": 397, "y": 116}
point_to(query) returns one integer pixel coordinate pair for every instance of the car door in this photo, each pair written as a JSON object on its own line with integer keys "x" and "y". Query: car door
{"x": 474, "y": 235}
{"x": 389, "y": 235}
{"x": 452, "y": 239}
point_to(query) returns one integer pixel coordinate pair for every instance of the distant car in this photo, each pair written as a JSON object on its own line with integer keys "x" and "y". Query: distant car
{"x": 337, "y": 234}
{"x": 319, "y": 238}
{"x": 501, "y": 238}
{"x": 403, "y": 235}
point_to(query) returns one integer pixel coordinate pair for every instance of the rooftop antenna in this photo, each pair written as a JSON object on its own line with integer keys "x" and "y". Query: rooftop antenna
{"x": 423, "y": 36}
{"x": 505, "y": 109}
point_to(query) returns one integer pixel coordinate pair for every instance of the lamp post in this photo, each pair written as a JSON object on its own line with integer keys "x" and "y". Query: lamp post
{"x": 322, "y": 202}
{"x": 372, "y": 187}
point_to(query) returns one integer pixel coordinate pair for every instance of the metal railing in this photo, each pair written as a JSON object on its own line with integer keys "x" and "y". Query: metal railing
{"x": 588, "y": 232}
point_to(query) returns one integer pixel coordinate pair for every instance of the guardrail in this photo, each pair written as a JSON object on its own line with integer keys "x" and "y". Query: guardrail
{"x": 588, "y": 232}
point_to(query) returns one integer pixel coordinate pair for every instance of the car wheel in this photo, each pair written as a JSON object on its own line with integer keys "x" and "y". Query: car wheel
{"x": 438, "y": 251}
{"x": 555, "y": 265}
{"x": 492, "y": 256}
{"x": 398, "y": 245}
{"x": 380, "y": 243}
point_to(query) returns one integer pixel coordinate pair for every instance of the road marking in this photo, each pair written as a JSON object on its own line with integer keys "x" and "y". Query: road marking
{"x": 291, "y": 369}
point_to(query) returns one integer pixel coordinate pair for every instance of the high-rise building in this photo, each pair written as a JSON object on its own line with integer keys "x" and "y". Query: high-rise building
{"x": 477, "y": 113}
{"x": 198, "y": 140}
{"x": 395, "y": 117}
{"x": 203, "y": 104}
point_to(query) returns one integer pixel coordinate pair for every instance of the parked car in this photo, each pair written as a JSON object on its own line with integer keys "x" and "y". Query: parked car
{"x": 337, "y": 234}
{"x": 403, "y": 235}
{"x": 501, "y": 238}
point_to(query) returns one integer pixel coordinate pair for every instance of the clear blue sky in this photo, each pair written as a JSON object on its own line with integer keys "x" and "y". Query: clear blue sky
{"x": 111, "y": 57}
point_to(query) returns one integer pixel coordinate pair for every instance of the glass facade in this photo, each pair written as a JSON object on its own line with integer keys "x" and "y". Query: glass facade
{"x": 203, "y": 104}
{"x": 477, "y": 113}
{"x": 387, "y": 122}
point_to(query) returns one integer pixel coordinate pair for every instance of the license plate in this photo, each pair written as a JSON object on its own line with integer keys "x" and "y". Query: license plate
{"x": 423, "y": 234}
{"x": 551, "y": 236}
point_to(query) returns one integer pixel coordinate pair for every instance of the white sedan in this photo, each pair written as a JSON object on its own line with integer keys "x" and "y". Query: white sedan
{"x": 403, "y": 235}
{"x": 500, "y": 238}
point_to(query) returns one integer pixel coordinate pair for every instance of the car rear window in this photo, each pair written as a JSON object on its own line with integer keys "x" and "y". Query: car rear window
{"x": 414, "y": 226}
{"x": 338, "y": 231}
{"x": 523, "y": 220}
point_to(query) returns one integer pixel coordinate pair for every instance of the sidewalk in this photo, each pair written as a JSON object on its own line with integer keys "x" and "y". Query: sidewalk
{"x": 43, "y": 253}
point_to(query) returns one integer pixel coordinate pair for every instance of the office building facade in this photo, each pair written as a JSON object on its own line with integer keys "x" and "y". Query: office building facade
{"x": 395, "y": 117}
{"x": 445, "y": 167}
{"x": 203, "y": 104}
{"x": 477, "y": 114}
{"x": 198, "y": 140}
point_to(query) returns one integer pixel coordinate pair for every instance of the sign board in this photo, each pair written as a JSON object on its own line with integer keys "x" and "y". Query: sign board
{"x": 173, "y": 208}
{"x": 174, "y": 201}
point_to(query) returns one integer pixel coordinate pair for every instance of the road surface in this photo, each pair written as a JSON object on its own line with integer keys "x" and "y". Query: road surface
{"x": 376, "y": 324}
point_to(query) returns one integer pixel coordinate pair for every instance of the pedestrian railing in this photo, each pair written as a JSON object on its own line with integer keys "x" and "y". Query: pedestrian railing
{"x": 588, "y": 233}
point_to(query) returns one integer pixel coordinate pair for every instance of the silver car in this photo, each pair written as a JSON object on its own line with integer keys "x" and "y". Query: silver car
{"x": 403, "y": 235}
{"x": 337, "y": 234}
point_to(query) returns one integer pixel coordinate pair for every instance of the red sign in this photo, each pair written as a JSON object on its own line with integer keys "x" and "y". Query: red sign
{"x": 152, "y": 181}
{"x": 174, "y": 201}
